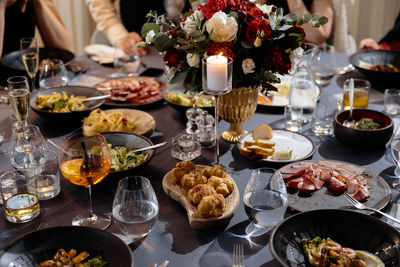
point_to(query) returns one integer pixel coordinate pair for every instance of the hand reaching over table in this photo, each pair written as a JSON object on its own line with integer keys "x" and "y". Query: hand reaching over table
{"x": 128, "y": 44}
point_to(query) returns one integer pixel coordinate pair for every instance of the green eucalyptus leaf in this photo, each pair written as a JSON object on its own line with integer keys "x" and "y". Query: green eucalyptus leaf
{"x": 284, "y": 27}
{"x": 323, "y": 20}
{"x": 195, "y": 33}
{"x": 316, "y": 16}
{"x": 290, "y": 17}
{"x": 297, "y": 37}
{"x": 315, "y": 24}
{"x": 199, "y": 39}
{"x": 307, "y": 18}
{"x": 234, "y": 15}
{"x": 148, "y": 26}
{"x": 185, "y": 47}
{"x": 278, "y": 36}
{"x": 162, "y": 42}
{"x": 300, "y": 21}
{"x": 279, "y": 13}
{"x": 192, "y": 80}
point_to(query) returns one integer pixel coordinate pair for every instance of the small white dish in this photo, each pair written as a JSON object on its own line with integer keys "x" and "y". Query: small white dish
{"x": 302, "y": 146}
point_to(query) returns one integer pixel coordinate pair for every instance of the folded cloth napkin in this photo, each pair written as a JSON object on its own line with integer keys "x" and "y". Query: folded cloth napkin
{"x": 103, "y": 54}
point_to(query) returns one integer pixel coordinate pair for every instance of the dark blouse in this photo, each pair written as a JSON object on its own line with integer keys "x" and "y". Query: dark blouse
{"x": 17, "y": 25}
{"x": 283, "y": 4}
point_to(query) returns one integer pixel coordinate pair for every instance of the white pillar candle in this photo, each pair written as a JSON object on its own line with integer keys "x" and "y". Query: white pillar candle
{"x": 217, "y": 73}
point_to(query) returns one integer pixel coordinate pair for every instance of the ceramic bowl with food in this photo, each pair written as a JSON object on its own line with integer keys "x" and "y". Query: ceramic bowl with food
{"x": 382, "y": 65}
{"x": 350, "y": 229}
{"x": 123, "y": 160}
{"x": 46, "y": 107}
{"x": 39, "y": 246}
{"x": 373, "y": 128}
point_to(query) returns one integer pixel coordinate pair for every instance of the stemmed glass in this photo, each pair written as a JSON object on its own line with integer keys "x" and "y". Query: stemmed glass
{"x": 85, "y": 161}
{"x": 395, "y": 153}
{"x": 265, "y": 198}
{"x": 18, "y": 93}
{"x": 323, "y": 65}
{"x": 30, "y": 57}
{"x": 217, "y": 80}
{"x": 135, "y": 207}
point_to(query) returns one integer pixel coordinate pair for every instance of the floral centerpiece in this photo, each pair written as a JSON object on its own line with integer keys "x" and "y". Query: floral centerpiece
{"x": 260, "y": 39}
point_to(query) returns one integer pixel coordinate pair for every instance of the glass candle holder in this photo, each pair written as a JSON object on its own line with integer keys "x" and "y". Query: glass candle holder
{"x": 217, "y": 80}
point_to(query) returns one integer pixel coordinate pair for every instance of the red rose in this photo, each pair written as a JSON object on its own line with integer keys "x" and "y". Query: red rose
{"x": 212, "y": 7}
{"x": 224, "y": 48}
{"x": 253, "y": 11}
{"x": 173, "y": 57}
{"x": 278, "y": 61}
{"x": 255, "y": 28}
{"x": 176, "y": 32}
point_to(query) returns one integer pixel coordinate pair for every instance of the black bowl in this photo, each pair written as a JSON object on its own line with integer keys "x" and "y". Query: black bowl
{"x": 377, "y": 57}
{"x": 13, "y": 60}
{"x": 130, "y": 141}
{"x": 177, "y": 87}
{"x": 75, "y": 90}
{"x": 363, "y": 138}
{"x": 39, "y": 246}
{"x": 349, "y": 228}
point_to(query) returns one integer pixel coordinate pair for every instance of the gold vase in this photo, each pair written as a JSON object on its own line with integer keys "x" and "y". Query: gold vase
{"x": 236, "y": 107}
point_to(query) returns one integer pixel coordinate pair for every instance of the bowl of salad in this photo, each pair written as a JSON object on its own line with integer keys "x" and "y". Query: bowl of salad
{"x": 372, "y": 128}
{"x": 123, "y": 157}
{"x": 181, "y": 98}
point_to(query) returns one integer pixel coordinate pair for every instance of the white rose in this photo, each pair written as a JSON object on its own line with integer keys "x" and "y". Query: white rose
{"x": 266, "y": 9}
{"x": 248, "y": 66}
{"x": 295, "y": 57}
{"x": 193, "y": 59}
{"x": 150, "y": 36}
{"x": 223, "y": 28}
{"x": 191, "y": 22}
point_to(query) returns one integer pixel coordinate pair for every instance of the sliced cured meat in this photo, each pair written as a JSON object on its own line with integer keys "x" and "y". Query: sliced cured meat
{"x": 362, "y": 193}
{"x": 291, "y": 170}
{"x": 336, "y": 185}
{"x": 294, "y": 175}
{"x": 318, "y": 184}
{"x": 295, "y": 183}
{"x": 330, "y": 164}
{"x": 325, "y": 175}
{"x": 308, "y": 185}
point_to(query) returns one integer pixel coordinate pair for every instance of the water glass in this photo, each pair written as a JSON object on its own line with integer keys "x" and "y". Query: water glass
{"x": 361, "y": 93}
{"x": 135, "y": 207}
{"x": 186, "y": 146}
{"x": 52, "y": 73}
{"x": 265, "y": 198}
{"x": 127, "y": 65}
{"x": 323, "y": 65}
{"x": 20, "y": 204}
{"x": 322, "y": 122}
{"x": 293, "y": 118}
{"x": 392, "y": 101}
{"x": 47, "y": 183}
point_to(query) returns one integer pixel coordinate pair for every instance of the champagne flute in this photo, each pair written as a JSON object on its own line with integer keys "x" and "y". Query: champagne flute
{"x": 265, "y": 198}
{"x": 18, "y": 93}
{"x": 30, "y": 57}
{"x": 85, "y": 161}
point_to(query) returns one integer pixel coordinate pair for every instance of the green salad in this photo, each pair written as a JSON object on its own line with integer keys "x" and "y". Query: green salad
{"x": 123, "y": 159}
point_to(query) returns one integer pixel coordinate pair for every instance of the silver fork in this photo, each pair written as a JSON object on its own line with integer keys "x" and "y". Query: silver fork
{"x": 361, "y": 206}
{"x": 238, "y": 256}
{"x": 42, "y": 226}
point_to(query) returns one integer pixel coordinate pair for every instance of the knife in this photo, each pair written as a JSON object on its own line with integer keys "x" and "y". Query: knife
{"x": 149, "y": 147}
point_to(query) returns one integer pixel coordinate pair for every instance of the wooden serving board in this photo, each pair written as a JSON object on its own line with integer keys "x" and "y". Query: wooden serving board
{"x": 145, "y": 123}
{"x": 196, "y": 221}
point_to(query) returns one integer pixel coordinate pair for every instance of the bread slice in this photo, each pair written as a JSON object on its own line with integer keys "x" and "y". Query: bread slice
{"x": 246, "y": 152}
{"x": 263, "y": 131}
{"x": 266, "y": 143}
{"x": 249, "y": 143}
{"x": 261, "y": 150}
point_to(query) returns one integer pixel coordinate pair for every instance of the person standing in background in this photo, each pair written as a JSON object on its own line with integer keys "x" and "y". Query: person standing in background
{"x": 19, "y": 18}
{"x": 119, "y": 22}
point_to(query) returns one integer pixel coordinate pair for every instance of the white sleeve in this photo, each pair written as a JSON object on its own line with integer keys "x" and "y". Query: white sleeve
{"x": 107, "y": 19}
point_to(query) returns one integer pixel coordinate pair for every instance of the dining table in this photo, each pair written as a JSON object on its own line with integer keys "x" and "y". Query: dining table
{"x": 171, "y": 238}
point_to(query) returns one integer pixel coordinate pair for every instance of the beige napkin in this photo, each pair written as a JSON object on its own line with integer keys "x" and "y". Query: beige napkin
{"x": 103, "y": 54}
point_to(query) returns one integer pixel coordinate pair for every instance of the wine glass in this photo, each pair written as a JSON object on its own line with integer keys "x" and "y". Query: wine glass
{"x": 28, "y": 150}
{"x": 85, "y": 161}
{"x": 126, "y": 65}
{"x": 18, "y": 95}
{"x": 30, "y": 57}
{"x": 323, "y": 65}
{"x": 265, "y": 198}
{"x": 135, "y": 207}
{"x": 52, "y": 74}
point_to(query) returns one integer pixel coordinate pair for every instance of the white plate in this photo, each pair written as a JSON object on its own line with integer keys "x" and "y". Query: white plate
{"x": 281, "y": 101}
{"x": 302, "y": 146}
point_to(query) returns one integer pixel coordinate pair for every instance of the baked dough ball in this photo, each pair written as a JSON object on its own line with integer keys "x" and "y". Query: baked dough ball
{"x": 217, "y": 170}
{"x": 187, "y": 166}
{"x": 207, "y": 171}
{"x": 177, "y": 174}
{"x": 192, "y": 179}
{"x": 213, "y": 205}
{"x": 222, "y": 185}
{"x": 199, "y": 191}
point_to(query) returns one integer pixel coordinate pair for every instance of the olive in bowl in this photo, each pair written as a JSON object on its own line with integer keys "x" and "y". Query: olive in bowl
{"x": 373, "y": 128}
